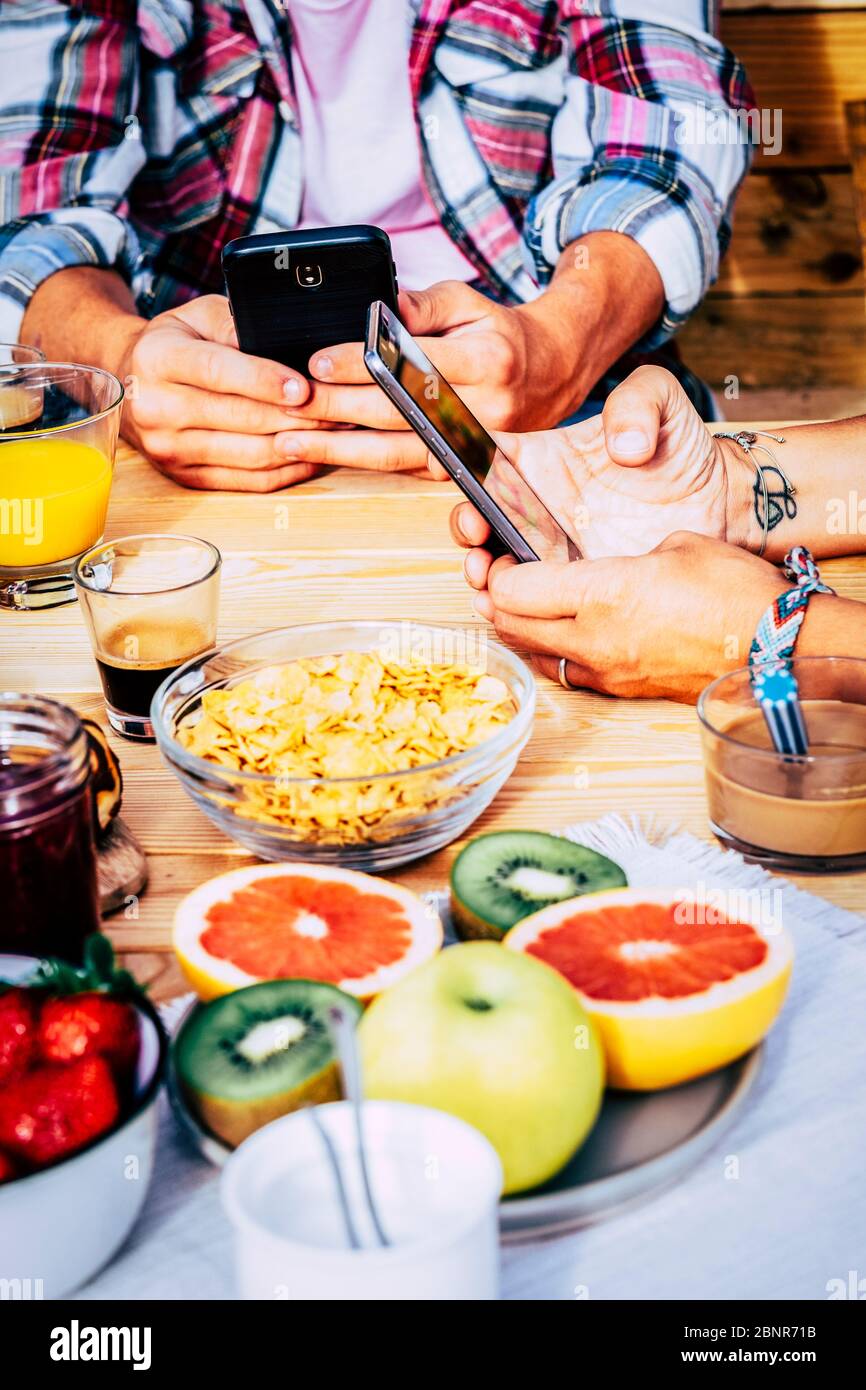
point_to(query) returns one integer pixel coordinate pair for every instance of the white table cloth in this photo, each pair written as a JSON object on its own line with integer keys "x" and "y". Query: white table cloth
{"x": 785, "y": 1221}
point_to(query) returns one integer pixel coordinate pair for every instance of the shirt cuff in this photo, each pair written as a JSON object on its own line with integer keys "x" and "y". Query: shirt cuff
{"x": 34, "y": 248}
{"x": 656, "y": 209}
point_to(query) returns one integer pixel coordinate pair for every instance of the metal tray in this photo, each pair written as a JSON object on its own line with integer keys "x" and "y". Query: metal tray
{"x": 641, "y": 1142}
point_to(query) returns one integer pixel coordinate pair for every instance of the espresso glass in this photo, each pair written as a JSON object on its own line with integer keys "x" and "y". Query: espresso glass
{"x": 797, "y": 814}
{"x": 58, "y": 433}
{"x": 150, "y": 604}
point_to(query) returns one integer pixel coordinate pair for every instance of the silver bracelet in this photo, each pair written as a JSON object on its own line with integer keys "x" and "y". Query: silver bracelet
{"x": 749, "y": 443}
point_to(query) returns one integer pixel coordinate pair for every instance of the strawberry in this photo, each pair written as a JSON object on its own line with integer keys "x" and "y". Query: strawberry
{"x": 7, "y": 1168}
{"x": 90, "y": 1025}
{"x": 17, "y": 1033}
{"x": 53, "y": 1110}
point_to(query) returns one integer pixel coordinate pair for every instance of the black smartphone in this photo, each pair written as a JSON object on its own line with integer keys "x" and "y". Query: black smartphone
{"x": 516, "y": 514}
{"x": 293, "y": 293}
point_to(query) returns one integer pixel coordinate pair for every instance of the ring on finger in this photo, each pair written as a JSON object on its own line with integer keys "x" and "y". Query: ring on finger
{"x": 562, "y": 673}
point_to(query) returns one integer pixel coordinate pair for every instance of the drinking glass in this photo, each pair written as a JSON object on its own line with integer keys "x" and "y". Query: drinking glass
{"x": 14, "y": 355}
{"x": 801, "y": 814}
{"x": 19, "y": 406}
{"x": 150, "y": 604}
{"x": 58, "y": 433}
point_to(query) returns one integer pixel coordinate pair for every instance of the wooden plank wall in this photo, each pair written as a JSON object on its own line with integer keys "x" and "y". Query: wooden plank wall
{"x": 789, "y": 309}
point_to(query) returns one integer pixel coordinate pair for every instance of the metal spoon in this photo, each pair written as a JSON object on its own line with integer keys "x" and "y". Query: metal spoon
{"x": 331, "y": 1152}
{"x": 343, "y": 1032}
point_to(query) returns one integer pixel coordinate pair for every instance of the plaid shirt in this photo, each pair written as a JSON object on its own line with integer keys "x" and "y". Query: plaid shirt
{"x": 144, "y": 134}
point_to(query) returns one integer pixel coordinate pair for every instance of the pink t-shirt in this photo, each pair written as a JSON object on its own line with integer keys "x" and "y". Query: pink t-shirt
{"x": 350, "y": 63}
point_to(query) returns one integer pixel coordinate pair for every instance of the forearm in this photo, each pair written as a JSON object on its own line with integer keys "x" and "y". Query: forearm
{"x": 83, "y": 314}
{"x": 669, "y": 187}
{"x": 604, "y": 295}
{"x": 825, "y": 506}
{"x": 833, "y": 627}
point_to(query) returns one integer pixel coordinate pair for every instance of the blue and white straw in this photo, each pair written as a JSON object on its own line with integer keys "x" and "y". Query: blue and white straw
{"x": 775, "y": 690}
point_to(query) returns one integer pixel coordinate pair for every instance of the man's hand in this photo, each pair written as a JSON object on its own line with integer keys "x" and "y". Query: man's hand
{"x": 623, "y": 481}
{"x": 506, "y": 364}
{"x": 663, "y": 624}
{"x": 213, "y": 417}
{"x": 207, "y": 414}
{"x": 525, "y": 367}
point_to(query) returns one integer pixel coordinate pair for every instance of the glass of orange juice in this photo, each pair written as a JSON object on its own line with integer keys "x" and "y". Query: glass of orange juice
{"x": 59, "y": 424}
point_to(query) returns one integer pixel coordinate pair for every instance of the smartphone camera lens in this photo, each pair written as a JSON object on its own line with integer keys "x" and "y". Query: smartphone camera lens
{"x": 309, "y": 275}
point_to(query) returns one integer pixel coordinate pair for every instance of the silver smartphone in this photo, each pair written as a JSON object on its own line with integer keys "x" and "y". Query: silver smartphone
{"x": 517, "y": 517}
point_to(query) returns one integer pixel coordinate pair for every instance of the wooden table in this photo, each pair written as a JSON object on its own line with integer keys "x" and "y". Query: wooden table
{"x": 357, "y": 545}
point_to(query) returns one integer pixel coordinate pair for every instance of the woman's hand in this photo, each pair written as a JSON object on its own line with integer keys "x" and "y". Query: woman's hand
{"x": 623, "y": 481}
{"x": 662, "y": 624}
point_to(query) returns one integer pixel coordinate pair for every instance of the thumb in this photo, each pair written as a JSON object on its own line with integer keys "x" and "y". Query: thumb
{"x": 445, "y": 305}
{"x": 633, "y": 414}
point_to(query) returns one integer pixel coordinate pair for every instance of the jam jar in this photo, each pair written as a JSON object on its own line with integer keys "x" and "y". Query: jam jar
{"x": 49, "y": 898}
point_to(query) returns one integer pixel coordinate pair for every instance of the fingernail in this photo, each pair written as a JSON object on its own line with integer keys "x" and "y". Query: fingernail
{"x": 289, "y": 448}
{"x": 323, "y": 366}
{"x": 478, "y": 607}
{"x": 293, "y": 390}
{"x": 631, "y": 442}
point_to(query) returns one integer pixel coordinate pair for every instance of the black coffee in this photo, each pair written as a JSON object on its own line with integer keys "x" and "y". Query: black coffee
{"x": 136, "y": 656}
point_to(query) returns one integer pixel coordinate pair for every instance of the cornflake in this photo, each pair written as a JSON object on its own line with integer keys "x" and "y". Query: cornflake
{"x": 313, "y": 721}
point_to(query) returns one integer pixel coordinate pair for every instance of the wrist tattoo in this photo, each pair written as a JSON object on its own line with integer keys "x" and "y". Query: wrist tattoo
{"x": 772, "y": 504}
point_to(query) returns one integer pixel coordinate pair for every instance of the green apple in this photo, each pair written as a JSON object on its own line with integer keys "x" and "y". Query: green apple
{"x": 500, "y": 1040}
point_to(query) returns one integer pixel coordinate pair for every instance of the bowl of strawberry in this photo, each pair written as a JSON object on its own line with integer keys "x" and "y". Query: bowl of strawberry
{"x": 82, "y": 1057}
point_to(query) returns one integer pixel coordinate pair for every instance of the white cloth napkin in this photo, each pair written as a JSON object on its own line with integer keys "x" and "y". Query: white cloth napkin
{"x": 790, "y": 1224}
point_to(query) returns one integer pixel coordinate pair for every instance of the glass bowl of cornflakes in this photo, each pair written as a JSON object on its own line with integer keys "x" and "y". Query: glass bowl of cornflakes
{"x": 366, "y": 744}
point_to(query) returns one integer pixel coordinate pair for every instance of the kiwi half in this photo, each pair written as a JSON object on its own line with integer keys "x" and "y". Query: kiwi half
{"x": 248, "y": 1057}
{"x": 504, "y": 876}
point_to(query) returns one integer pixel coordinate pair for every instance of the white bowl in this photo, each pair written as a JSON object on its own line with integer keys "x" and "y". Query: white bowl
{"x": 58, "y": 1227}
{"x": 436, "y": 1182}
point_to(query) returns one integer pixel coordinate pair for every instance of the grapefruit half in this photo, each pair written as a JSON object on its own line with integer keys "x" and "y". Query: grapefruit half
{"x": 302, "y": 921}
{"x": 674, "y": 990}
